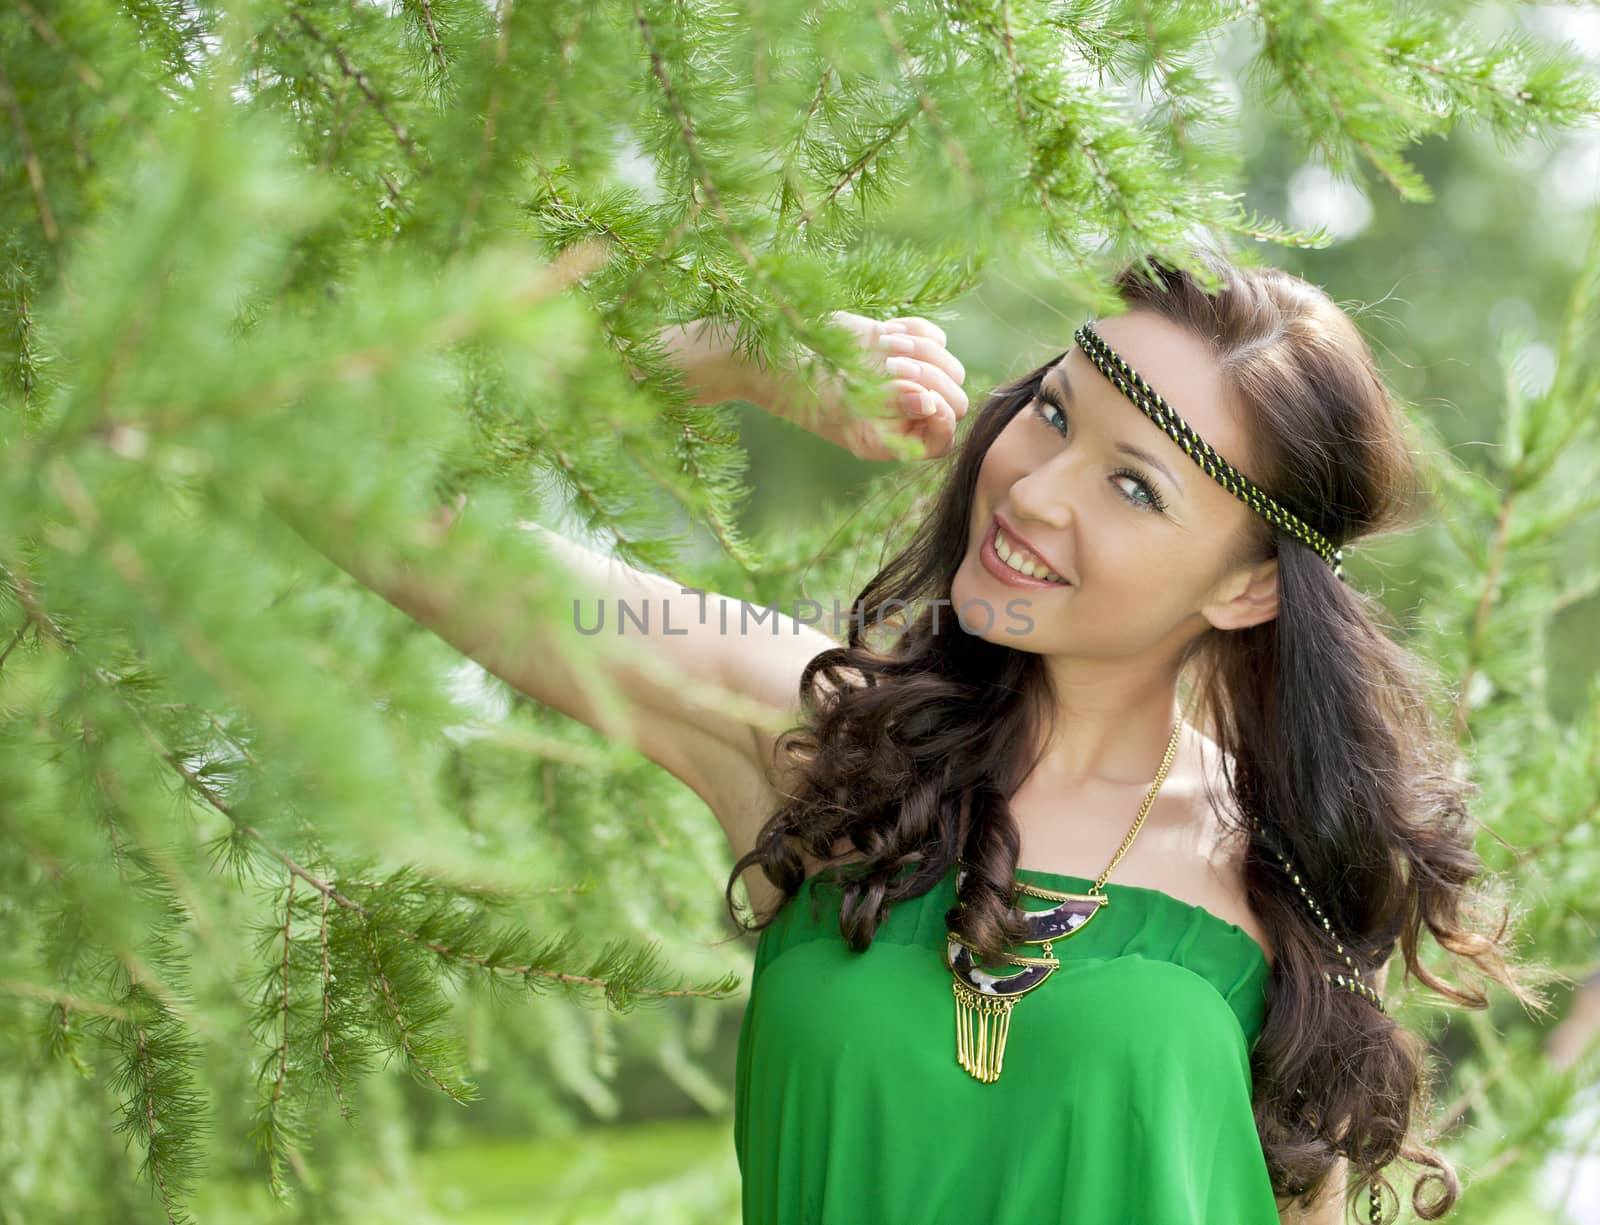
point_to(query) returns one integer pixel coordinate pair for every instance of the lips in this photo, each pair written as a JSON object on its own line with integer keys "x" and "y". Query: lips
{"x": 1018, "y": 538}
{"x": 989, "y": 558}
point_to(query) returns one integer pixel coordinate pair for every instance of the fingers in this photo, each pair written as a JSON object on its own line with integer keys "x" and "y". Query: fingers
{"x": 933, "y": 377}
{"x": 920, "y": 348}
{"x": 923, "y": 397}
{"x": 932, "y": 422}
{"x": 925, "y": 414}
{"x": 914, "y": 400}
{"x": 916, "y": 325}
{"x": 939, "y": 432}
{"x": 921, "y": 341}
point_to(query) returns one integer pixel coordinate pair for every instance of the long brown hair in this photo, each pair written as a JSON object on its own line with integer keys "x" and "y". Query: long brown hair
{"x": 1330, "y": 748}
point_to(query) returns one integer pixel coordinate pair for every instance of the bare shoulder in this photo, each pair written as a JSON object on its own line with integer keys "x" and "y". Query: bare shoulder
{"x": 1221, "y": 884}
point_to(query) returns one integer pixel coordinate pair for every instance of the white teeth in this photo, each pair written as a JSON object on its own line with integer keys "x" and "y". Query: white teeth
{"x": 1021, "y": 561}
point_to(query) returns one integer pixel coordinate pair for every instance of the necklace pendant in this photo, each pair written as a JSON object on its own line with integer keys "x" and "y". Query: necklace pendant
{"x": 982, "y": 1023}
{"x": 984, "y": 1001}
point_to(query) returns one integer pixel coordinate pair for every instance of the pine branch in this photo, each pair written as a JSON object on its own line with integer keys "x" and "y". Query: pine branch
{"x": 1058, "y": 229}
{"x": 803, "y": 329}
{"x": 416, "y": 1039}
{"x": 331, "y": 891}
{"x": 325, "y": 1032}
{"x": 154, "y": 1080}
{"x": 368, "y": 91}
{"x": 433, "y": 39}
{"x": 926, "y": 104}
{"x": 1487, "y": 592}
{"x": 30, "y": 160}
{"x": 491, "y": 117}
{"x": 279, "y": 1131}
{"x": 66, "y": 1001}
{"x": 862, "y": 161}
{"x": 788, "y": 196}
{"x": 156, "y": 1077}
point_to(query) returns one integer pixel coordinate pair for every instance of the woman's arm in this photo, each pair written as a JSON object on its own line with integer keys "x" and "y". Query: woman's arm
{"x": 922, "y": 398}
{"x": 702, "y": 691}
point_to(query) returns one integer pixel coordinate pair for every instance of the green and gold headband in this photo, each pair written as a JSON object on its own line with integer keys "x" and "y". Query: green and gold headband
{"x": 1127, "y": 381}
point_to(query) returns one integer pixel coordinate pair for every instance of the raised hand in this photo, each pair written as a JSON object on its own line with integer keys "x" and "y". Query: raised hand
{"x": 922, "y": 400}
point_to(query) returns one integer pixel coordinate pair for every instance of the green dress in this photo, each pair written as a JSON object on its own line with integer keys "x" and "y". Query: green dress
{"x": 1124, "y": 1097}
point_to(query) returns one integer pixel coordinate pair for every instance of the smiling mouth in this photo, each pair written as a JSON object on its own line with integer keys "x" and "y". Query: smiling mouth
{"x": 1017, "y": 561}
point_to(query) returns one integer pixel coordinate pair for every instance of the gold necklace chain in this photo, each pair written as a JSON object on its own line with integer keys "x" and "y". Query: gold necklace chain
{"x": 983, "y": 1002}
{"x": 1144, "y": 810}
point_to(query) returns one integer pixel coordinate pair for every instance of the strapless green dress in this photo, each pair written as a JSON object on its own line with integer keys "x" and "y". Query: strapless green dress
{"x": 1124, "y": 1097}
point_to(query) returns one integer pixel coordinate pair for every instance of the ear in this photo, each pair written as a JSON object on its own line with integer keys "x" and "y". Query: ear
{"x": 1244, "y": 597}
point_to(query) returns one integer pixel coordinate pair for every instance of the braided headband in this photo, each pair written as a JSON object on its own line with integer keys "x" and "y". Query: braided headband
{"x": 1349, "y": 982}
{"x": 1130, "y": 384}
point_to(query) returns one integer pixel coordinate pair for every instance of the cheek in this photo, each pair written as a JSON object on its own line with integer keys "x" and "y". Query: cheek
{"x": 996, "y": 474}
{"x": 1005, "y": 462}
{"x": 1141, "y": 586}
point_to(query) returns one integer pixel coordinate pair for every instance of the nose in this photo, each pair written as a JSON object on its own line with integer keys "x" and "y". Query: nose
{"x": 1041, "y": 498}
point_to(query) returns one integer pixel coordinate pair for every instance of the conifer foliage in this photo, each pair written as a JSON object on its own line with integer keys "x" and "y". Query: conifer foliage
{"x": 288, "y": 271}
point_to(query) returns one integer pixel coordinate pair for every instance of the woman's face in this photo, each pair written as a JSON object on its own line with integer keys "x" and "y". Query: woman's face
{"x": 1139, "y": 542}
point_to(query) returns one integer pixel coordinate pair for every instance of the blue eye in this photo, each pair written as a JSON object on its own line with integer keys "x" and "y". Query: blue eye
{"x": 1043, "y": 409}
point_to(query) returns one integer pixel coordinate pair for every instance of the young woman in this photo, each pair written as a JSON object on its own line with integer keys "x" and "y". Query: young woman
{"x": 1082, "y": 862}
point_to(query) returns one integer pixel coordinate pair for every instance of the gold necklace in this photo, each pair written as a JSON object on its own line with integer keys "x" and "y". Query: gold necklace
{"x": 984, "y": 1001}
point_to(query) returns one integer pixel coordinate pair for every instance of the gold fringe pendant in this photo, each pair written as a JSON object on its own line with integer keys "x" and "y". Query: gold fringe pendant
{"x": 981, "y": 1028}
{"x": 984, "y": 1001}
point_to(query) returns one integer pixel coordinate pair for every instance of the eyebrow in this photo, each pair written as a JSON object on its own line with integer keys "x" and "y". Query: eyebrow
{"x": 1060, "y": 394}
